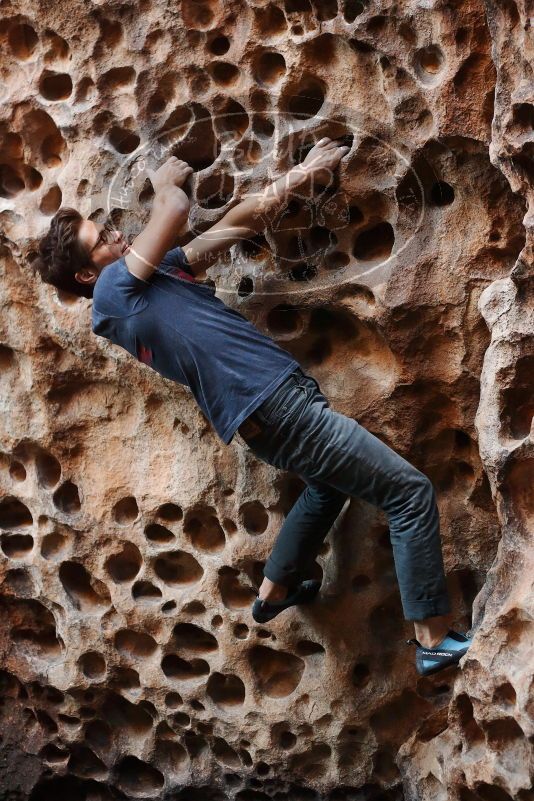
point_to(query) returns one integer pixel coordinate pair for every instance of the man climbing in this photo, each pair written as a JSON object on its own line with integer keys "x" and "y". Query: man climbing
{"x": 148, "y": 300}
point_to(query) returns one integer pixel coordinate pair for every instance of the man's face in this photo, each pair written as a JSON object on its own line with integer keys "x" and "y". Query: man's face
{"x": 104, "y": 247}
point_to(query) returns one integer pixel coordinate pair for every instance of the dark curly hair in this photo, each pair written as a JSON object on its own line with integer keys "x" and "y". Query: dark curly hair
{"x": 61, "y": 254}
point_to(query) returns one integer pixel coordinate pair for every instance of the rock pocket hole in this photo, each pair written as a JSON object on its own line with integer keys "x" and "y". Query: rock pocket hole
{"x": 277, "y": 673}
{"x": 504, "y": 694}
{"x": 361, "y": 675}
{"x": 14, "y": 513}
{"x": 125, "y": 511}
{"x": 223, "y": 73}
{"x": 17, "y": 546}
{"x": 234, "y": 594}
{"x": 17, "y": 471}
{"x": 198, "y": 14}
{"x": 7, "y": 355}
{"x": 125, "y": 679}
{"x": 92, "y": 664}
{"x": 123, "y": 140}
{"x": 158, "y": 534}
{"x": 51, "y": 201}
{"x": 194, "y": 608}
{"x": 309, "y": 648}
{"x": 269, "y": 68}
{"x": 67, "y": 499}
{"x": 173, "y": 700}
{"x": 11, "y": 183}
{"x": 441, "y": 194}
{"x": 325, "y": 9}
{"x": 188, "y": 637}
{"x": 226, "y": 690}
{"x": 306, "y": 99}
{"x": 241, "y": 631}
{"x": 375, "y": 244}
{"x": 125, "y": 566}
{"x": 247, "y": 154}
{"x": 174, "y": 667}
{"x": 353, "y": 8}
{"x": 55, "y": 85}
{"x": 271, "y": 20}
{"x": 523, "y": 117}
{"x": 262, "y": 126}
{"x": 178, "y": 567}
{"x": 429, "y": 62}
{"x": 219, "y": 45}
{"x": 22, "y": 40}
{"x": 225, "y": 754}
{"x": 170, "y": 512}
{"x": 204, "y": 530}
{"x": 284, "y": 320}
{"x": 287, "y": 740}
{"x": 231, "y": 120}
{"x": 86, "y": 593}
{"x": 135, "y": 644}
{"x": 302, "y": 272}
{"x": 145, "y": 591}
{"x": 138, "y": 778}
{"x": 48, "y": 469}
{"x": 53, "y": 545}
{"x": 255, "y": 517}
{"x": 117, "y": 78}
{"x": 336, "y": 260}
{"x": 245, "y": 287}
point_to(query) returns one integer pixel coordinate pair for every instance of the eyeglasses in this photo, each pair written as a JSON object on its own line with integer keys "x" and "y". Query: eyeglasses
{"x": 106, "y": 235}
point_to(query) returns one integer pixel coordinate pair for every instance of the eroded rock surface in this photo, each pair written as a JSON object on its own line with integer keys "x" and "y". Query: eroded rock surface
{"x": 131, "y": 539}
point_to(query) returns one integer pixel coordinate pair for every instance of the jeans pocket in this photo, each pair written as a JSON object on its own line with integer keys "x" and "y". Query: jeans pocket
{"x": 287, "y": 409}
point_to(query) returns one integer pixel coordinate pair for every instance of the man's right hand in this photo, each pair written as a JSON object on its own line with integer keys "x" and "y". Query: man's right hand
{"x": 172, "y": 172}
{"x": 322, "y": 159}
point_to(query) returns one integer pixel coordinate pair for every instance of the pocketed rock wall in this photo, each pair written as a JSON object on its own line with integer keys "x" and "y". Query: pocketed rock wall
{"x": 132, "y": 541}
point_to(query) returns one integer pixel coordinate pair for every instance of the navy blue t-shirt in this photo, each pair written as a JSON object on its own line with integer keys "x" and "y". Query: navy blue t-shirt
{"x": 181, "y": 329}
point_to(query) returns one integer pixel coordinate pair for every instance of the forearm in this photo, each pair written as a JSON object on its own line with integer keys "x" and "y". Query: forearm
{"x": 172, "y": 203}
{"x": 252, "y": 212}
{"x": 170, "y": 210}
{"x": 246, "y": 219}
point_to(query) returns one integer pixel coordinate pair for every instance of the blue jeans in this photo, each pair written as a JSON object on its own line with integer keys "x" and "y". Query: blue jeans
{"x": 295, "y": 429}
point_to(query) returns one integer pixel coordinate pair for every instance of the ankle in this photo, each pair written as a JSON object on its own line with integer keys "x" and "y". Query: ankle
{"x": 429, "y": 639}
{"x": 428, "y": 642}
{"x": 276, "y": 592}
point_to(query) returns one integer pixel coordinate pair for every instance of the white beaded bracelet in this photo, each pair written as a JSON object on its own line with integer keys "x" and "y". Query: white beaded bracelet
{"x": 142, "y": 258}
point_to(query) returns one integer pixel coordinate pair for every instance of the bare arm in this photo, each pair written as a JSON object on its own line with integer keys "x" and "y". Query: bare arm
{"x": 250, "y": 216}
{"x": 170, "y": 210}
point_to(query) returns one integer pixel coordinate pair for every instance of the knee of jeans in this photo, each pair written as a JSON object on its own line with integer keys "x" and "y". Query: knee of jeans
{"x": 421, "y": 485}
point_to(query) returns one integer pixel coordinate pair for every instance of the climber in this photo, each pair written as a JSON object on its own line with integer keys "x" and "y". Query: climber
{"x": 150, "y": 299}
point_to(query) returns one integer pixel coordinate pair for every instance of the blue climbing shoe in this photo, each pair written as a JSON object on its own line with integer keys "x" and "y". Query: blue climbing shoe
{"x": 446, "y": 653}
{"x": 303, "y": 593}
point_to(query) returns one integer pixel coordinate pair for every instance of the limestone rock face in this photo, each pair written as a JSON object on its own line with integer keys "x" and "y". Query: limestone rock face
{"x": 132, "y": 540}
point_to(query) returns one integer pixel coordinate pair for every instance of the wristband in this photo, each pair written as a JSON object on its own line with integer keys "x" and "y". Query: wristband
{"x": 142, "y": 258}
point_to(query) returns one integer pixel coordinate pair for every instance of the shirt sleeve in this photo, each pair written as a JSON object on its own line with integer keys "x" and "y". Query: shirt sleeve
{"x": 118, "y": 292}
{"x": 175, "y": 260}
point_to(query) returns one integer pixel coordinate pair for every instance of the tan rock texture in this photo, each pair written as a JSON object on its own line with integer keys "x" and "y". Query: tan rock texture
{"x": 132, "y": 540}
